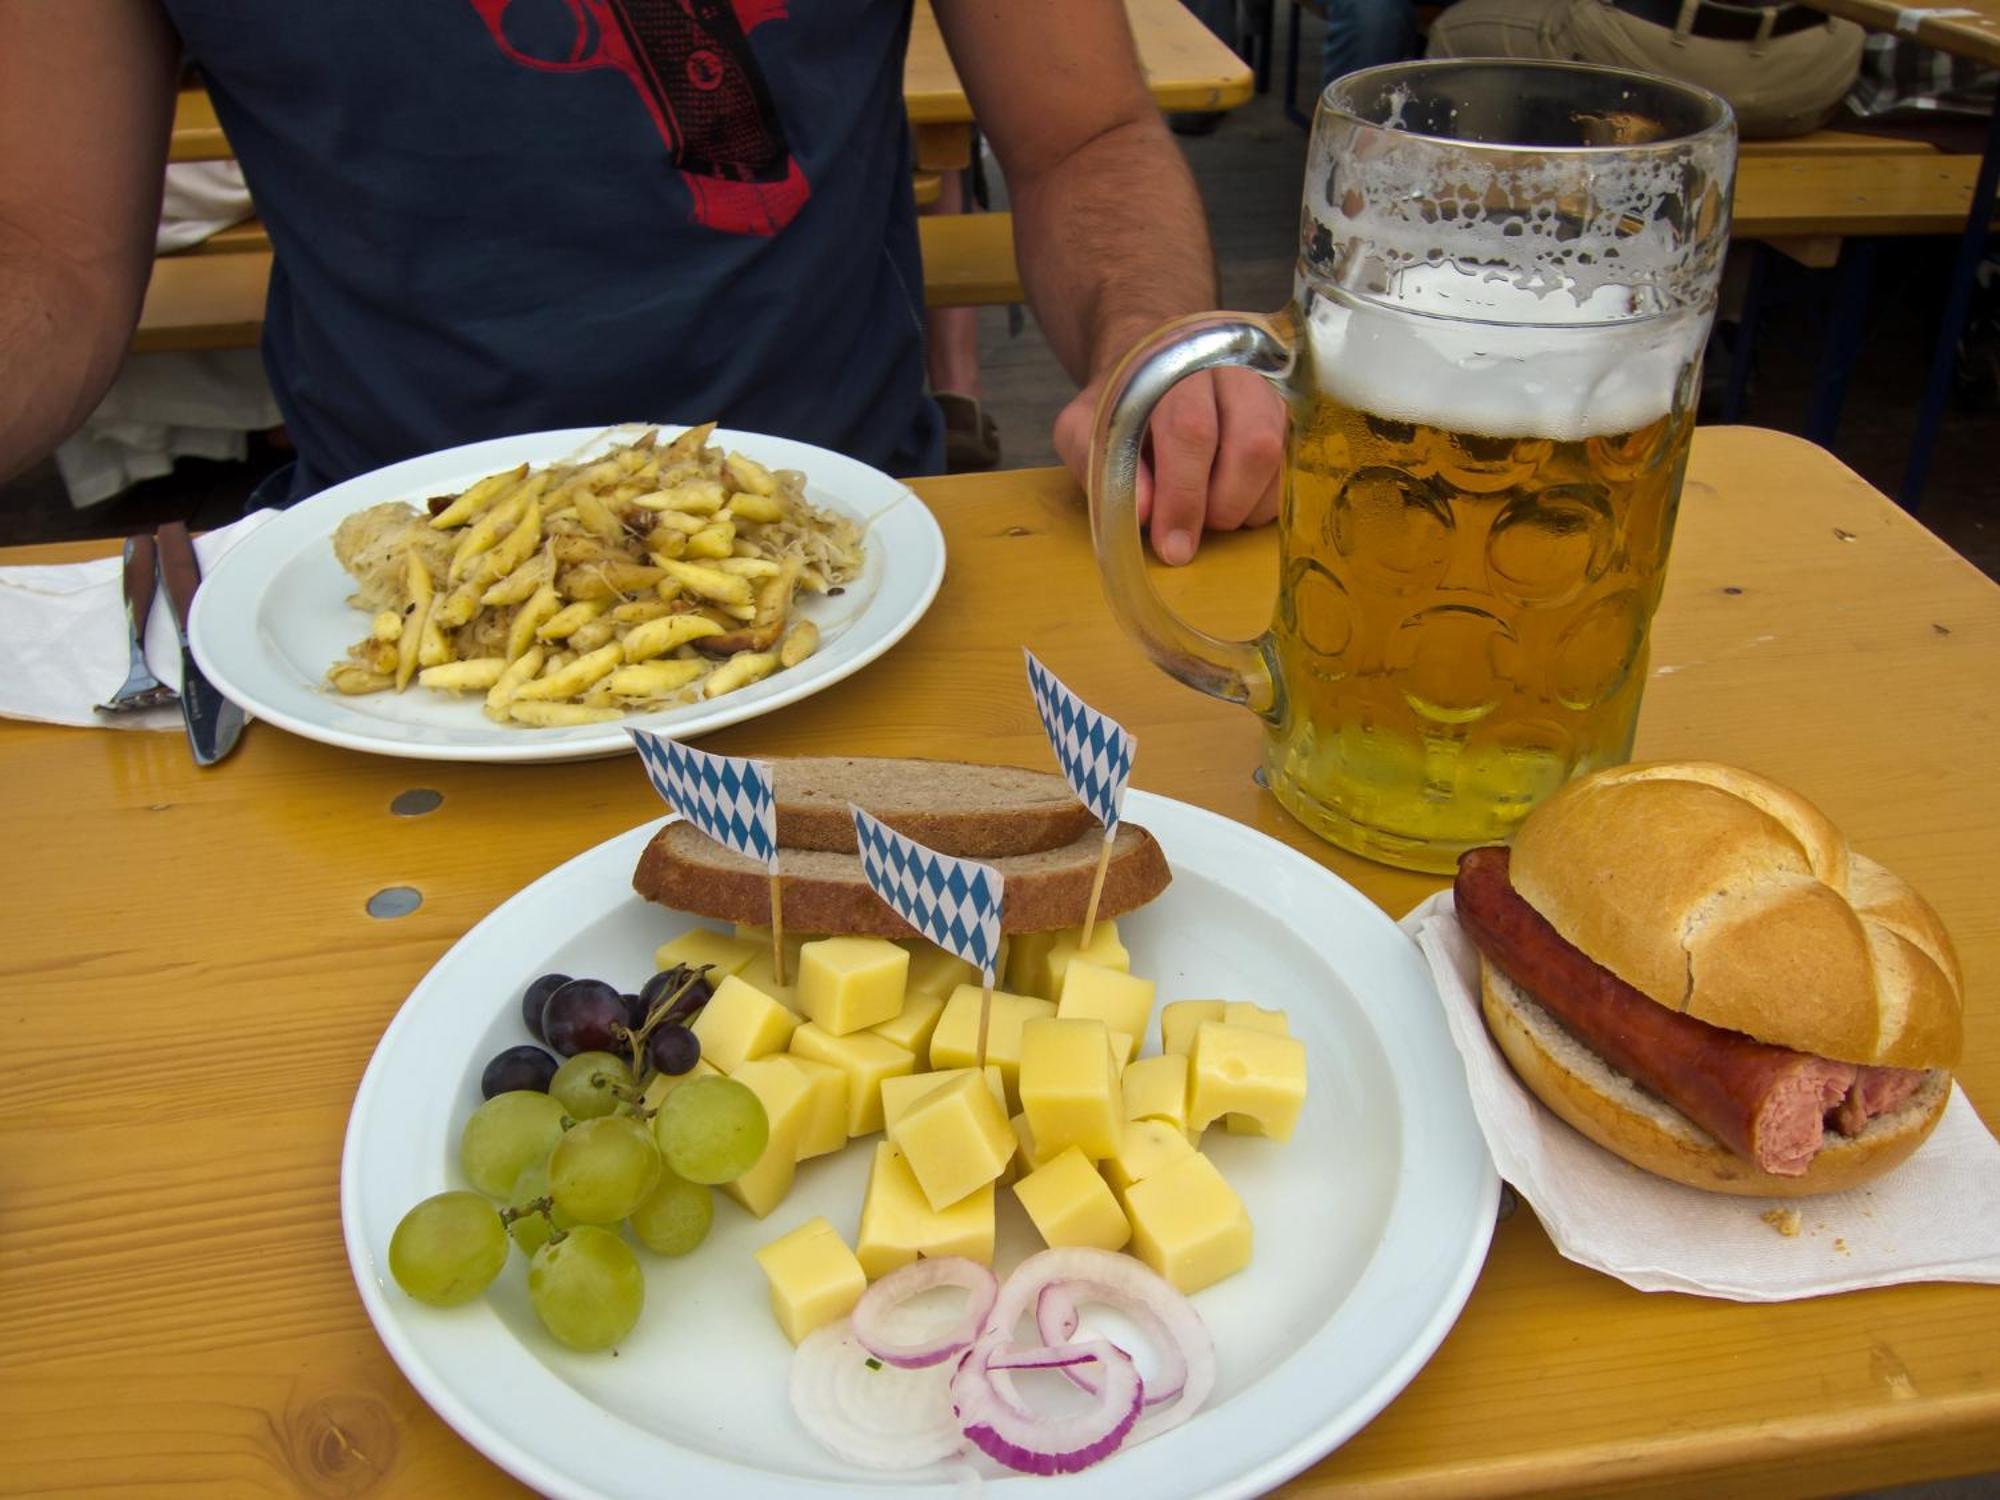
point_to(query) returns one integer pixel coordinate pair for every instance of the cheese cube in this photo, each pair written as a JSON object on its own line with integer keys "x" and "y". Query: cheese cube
{"x": 1234, "y": 1069}
{"x": 846, "y": 983}
{"x": 788, "y": 1104}
{"x": 825, "y": 1129}
{"x": 1069, "y": 1088}
{"x": 1243, "y": 1013}
{"x": 1155, "y": 1088}
{"x": 1092, "y": 992}
{"x": 662, "y": 1084}
{"x": 1188, "y": 1224}
{"x": 1123, "y": 1045}
{"x": 1178, "y": 1021}
{"x": 956, "y": 1038}
{"x": 700, "y": 947}
{"x": 898, "y": 1094}
{"x": 866, "y": 1058}
{"x": 1025, "y": 1150}
{"x": 1022, "y": 973}
{"x": 759, "y": 974}
{"x": 1105, "y": 951}
{"x": 955, "y": 1138}
{"x": 1071, "y": 1205}
{"x": 740, "y": 1022}
{"x": 936, "y": 972}
{"x": 814, "y": 1278}
{"x": 898, "y": 1224}
{"x": 1144, "y": 1147}
{"x": 912, "y": 1026}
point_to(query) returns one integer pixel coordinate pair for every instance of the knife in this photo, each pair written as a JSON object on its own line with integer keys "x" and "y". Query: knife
{"x": 213, "y": 722}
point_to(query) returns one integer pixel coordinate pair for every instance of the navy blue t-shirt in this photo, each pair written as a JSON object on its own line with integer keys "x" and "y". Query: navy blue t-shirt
{"x": 496, "y": 216}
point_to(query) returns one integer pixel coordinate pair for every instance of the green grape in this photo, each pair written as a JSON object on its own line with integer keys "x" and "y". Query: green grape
{"x": 587, "y": 1287}
{"x": 712, "y": 1130}
{"x": 584, "y": 1084}
{"x": 603, "y": 1169}
{"x": 675, "y": 1216}
{"x": 448, "y": 1249}
{"x": 531, "y": 1231}
{"x": 505, "y": 1134}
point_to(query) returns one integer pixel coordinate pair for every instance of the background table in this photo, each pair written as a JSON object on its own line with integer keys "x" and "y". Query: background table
{"x": 1970, "y": 29}
{"x": 193, "y": 990}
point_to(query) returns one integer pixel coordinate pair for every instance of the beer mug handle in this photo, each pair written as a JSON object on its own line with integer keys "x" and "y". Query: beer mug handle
{"x": 1234, "y": 671}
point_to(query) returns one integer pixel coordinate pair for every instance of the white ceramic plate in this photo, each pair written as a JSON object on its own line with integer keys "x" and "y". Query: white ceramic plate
{"x": 274, "y": 616}
{"x": 1371, "y": 1222}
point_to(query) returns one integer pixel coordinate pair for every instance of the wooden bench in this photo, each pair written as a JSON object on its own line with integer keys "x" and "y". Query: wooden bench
{"x": 212, "y": 297}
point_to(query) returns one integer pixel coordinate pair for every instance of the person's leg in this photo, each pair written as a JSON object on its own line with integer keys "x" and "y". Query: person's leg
{"x": 1365, "y": 33}
{"x": 1500, "y": 28}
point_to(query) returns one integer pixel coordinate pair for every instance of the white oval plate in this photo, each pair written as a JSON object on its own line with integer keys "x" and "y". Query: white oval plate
{"x": 1371, "y": 1222}
{"x": 273, "y": 616}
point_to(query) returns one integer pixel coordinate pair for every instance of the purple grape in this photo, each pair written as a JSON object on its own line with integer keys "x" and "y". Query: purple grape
{"x": 521, "y": 1067}
{"x": 584, "y": 1016}
{"x": 673, "y": 1049}
{"x": 535, "y": 997}
{"x": 635, "y": 1010}
{"x": 655, "y": 991}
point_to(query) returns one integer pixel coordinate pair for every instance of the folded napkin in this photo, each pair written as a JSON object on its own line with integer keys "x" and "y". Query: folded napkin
{"x": 1934, "y": 1218}
{"x": 64, "y": 625}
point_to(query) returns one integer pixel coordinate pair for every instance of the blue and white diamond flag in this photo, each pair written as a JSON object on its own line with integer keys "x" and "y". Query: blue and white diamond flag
{"x": 953, "y": 902}
{"x": 1095, "y": 752}
{"x": 728, "y": 798}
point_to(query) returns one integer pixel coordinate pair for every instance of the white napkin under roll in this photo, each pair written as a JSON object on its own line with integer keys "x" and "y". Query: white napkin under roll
{"x": 64, "y": 629}
{"x": 1934, "y": 1218}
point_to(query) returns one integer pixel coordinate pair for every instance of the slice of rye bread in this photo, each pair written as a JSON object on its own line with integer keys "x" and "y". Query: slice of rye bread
{"x": 825, "y": 892}
{"x": 973, "y": 811}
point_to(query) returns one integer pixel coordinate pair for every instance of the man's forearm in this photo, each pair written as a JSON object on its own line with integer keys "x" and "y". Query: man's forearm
{"x": 1112, "y": 241}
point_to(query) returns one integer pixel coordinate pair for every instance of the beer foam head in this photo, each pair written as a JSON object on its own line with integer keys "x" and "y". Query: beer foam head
{"x": 1440, "y": 356}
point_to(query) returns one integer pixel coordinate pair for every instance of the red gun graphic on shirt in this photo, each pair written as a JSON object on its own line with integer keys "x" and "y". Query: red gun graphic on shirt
{"x": 691, "y": 62}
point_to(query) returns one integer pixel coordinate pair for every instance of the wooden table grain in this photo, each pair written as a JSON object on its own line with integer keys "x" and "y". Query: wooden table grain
{"x": 193, "y": 988}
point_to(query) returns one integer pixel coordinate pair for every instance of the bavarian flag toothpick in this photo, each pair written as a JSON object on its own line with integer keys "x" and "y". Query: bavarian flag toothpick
{"x": 1095, "y": 755}
{"x": 729, "y": 798}
{"x": 953, "y": 902}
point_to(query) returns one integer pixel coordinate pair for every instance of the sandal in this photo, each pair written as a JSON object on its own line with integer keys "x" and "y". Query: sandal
{"x": 971, "y": 438}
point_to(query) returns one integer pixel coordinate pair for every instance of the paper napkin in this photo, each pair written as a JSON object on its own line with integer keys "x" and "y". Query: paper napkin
{"x": 64, "y": 628}
{"x": 1934, "y": 1218}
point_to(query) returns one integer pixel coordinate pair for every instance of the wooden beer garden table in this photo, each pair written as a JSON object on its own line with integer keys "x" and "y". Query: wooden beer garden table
{"x": 194, "y": 988}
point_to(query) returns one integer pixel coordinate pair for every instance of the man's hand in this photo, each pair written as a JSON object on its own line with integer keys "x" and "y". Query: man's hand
{"x": 1216, "y": 457}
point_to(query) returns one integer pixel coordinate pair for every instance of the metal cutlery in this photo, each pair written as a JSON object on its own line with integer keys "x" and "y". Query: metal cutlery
{"x": 142, "y": 689}
{"x": 213, "y": 722}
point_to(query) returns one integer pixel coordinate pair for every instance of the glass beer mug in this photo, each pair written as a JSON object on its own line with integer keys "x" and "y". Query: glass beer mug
{"x": 1506, "y": 276}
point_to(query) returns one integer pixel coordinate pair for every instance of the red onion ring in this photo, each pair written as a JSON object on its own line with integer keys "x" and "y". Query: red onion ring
{"x": 1034, "y": 1444}
{"x": 919, "y": 1276}
{"x": 1057, "y": 1318}
{"x": 1088, "y": 1275}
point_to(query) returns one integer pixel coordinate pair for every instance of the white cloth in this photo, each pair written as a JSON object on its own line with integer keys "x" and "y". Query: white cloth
{"x": 1935, "y": 1218}
{"x": 168, "y": 406}
{"x": 64, "y": 629}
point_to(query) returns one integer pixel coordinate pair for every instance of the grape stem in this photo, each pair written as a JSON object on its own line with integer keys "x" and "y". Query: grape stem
{"x": 636, "y": 1040}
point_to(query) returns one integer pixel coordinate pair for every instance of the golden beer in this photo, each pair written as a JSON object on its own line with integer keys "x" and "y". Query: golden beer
{"x": 1506, "y": 275}
{"x": 1462, "y": 621}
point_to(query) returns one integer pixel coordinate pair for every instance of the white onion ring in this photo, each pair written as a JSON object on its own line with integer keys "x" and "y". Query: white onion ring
{"x": 882, "y": 1418}
{"x": 905, "y": 1282}
{"x": 1089, "y": 1275}
{"x": 1000, "y": 1428}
